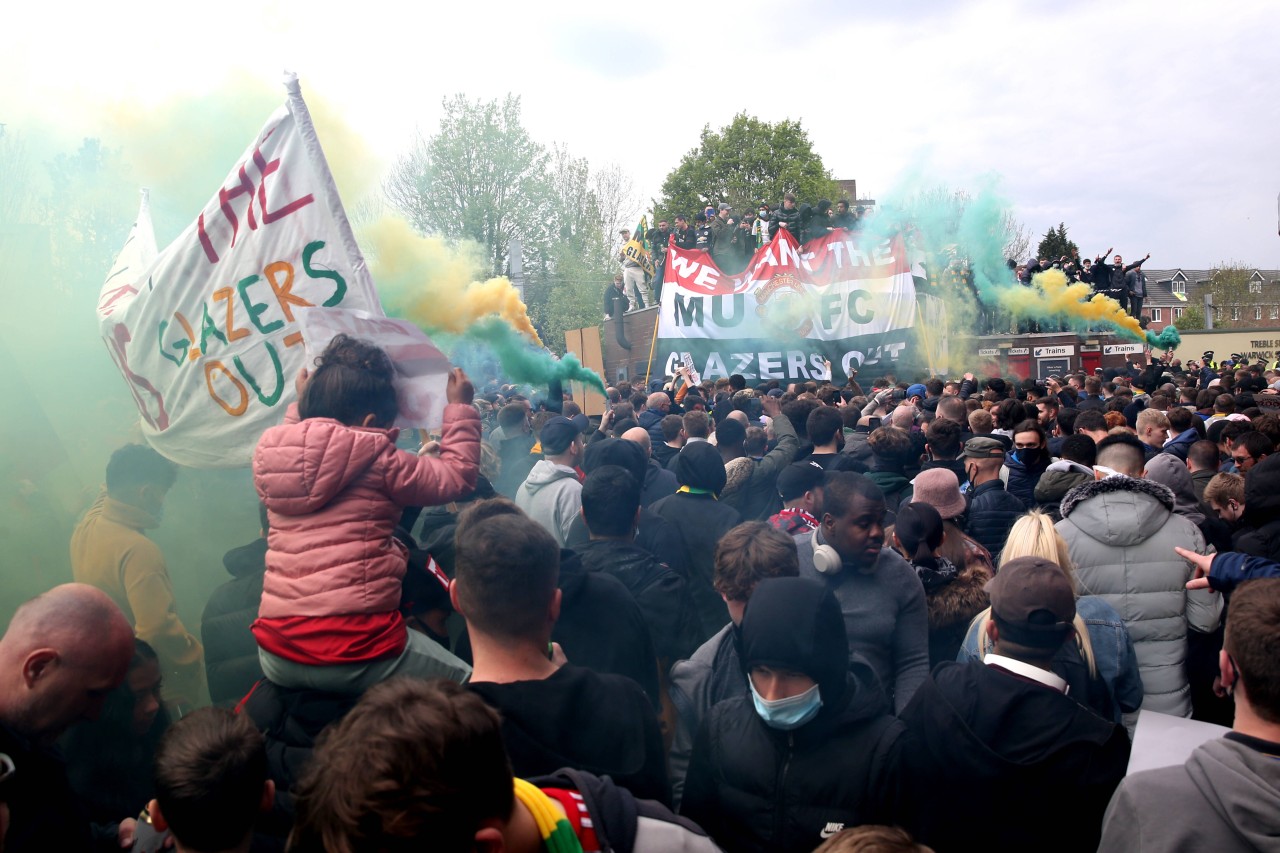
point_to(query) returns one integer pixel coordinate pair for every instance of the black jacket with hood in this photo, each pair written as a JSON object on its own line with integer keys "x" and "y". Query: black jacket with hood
{"x": 753, "y": 787}
{"x": 230, "y": 650}
{"x": 997, "y": 761}
{"x": 1261, "y": 535}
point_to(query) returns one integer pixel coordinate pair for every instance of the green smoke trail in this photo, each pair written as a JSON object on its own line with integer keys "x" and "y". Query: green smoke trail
{"x": 974, "y": 227}
{"x": 522, "y": 362}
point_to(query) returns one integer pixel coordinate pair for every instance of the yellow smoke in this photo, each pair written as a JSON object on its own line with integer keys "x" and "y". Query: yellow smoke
{"x": 425, "y": 280}
{"x": 1051, "y": 295}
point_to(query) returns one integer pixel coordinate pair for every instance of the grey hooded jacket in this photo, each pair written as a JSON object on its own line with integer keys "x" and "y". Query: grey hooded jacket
{"x": 1121, "y": 533}
{"x": 1225, "y": 798}
{"x": 552, "y": 496}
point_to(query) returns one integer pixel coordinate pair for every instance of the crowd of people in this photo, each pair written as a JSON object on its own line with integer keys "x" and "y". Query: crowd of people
{"x": 724, "y": 615}
{"x": 731, "y": 240}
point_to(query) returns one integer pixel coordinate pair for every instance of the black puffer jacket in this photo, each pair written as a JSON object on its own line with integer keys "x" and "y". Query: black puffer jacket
{"x": 230, "y": 650}
{"x": 992, "y": 512}
{"x": 1023, "y": 478}
{"x": 790, "y": 217}
{"x": 753, "y": 787}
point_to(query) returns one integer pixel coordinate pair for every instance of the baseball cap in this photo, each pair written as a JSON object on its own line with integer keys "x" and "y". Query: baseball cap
{"x": 1033, "y": 600}
{"x": 917, "y": 390}
{"x": 798, "y": 478}
{"x": 725, "y": 206}
{"x": 557, "y": 434}
{"x": 982, "y": 447}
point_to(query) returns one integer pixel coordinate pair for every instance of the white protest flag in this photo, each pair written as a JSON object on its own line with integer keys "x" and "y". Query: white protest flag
{"x": 210, "y": 341}
{"x": 135, "y": 256}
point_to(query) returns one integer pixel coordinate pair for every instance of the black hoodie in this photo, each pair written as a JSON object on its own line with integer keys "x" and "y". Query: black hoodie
{"x": 997, "y": 761}
{"x": 753, "y": 787}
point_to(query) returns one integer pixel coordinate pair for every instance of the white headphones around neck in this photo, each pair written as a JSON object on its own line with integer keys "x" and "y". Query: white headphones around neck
{"x": 825, "y": 558}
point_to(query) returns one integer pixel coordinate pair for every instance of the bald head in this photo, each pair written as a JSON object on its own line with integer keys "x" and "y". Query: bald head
{"x": 61, "y": 654}
{"x": 640, "y": 436}
{"x": 740, "y": 416}
{"x": 658, "y": 401}
{"x": 903, "y": 417}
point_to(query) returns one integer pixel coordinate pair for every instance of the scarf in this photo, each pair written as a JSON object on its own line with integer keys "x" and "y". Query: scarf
{"x": 557, "y": 834}
{"x": 935, "y": 573}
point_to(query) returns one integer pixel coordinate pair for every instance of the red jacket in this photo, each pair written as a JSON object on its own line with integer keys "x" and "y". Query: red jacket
{"x": 334, "y": 495}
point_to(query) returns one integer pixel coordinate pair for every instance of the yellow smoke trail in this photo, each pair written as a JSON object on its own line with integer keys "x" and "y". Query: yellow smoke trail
{"x": 1053, "y": 296}
{"x": 425, "y": 280}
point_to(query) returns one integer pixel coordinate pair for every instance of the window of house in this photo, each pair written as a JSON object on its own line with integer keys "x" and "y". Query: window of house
{"x": 1157, "y": 315}
{"x": 1235, "y": 313}
{"x": 1177, "y": 312}
{"x": 1255, "y": 287}
{"x": 1275, "y": 312}
{"x": 1179, "y": 285}
{"x": 1257, "y": 313}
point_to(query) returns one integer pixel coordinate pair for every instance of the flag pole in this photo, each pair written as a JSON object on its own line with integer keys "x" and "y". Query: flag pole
{"x": 653, "y": 342}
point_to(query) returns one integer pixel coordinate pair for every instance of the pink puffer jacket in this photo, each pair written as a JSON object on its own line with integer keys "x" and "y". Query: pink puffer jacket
{"x": 334, "y": 495}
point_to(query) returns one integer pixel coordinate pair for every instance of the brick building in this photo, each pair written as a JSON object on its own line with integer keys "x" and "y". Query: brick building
{"x": 1171, "y": 291}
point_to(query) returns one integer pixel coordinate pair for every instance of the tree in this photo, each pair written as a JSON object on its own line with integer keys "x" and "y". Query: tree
{"x": 1017, "y": 237}
{"x": 745, "y": 163}
{"x": 16, "y": 176}
{"x": 1192, "y": 318}
{"x": 1234, "y": 287}
{"x": 91, "y": 202}
{"x": 1055, "y": 244}
{"x": 481, "y": 177}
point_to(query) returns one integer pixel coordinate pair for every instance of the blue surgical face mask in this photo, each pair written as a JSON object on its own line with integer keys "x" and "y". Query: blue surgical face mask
{"x": 790, "y": 713}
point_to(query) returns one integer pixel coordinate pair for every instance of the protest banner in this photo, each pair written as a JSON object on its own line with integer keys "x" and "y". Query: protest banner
{"x": 206, "y": 332}
{"x": 422, "y": 370}
{"x": 836, "y": 299}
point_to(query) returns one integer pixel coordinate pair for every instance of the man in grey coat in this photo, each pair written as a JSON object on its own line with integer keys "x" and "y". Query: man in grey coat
{"x": 1226, "y": 796}
{"x": 879, "y": 593}
{"x": 552, "y": 493}
{"x": 1121, "y": 531}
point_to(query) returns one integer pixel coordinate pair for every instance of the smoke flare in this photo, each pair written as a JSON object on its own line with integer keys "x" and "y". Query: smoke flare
{"x": 1052, "y": 297}
{"x": 427, "y": 281}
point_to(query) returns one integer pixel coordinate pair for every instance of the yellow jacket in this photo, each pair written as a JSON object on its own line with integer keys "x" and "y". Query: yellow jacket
{"x": 109, "y": 551}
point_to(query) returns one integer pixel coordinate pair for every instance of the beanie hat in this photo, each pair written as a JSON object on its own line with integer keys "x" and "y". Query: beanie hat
{"x": 699, "y": 466}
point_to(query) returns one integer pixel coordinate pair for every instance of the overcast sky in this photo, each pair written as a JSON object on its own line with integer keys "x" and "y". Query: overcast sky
{"x": 1147, "y": 126}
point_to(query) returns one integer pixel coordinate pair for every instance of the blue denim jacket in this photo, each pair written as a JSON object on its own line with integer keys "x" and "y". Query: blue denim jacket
{"x": 1112, "y": 653}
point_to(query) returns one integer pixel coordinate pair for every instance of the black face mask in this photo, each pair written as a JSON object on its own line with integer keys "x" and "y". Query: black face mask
{"x": 1029, "y": 456}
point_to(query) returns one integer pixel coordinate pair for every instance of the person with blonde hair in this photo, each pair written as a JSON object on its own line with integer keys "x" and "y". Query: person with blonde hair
{"x": 1112, "y": 685}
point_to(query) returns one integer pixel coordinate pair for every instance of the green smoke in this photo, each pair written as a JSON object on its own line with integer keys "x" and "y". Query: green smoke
{"x": 521, "y": 362}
